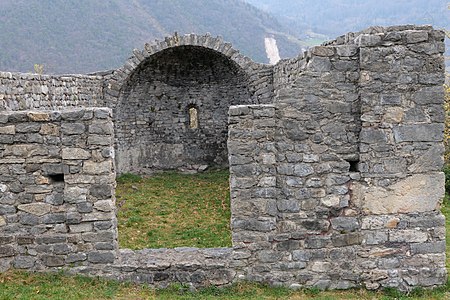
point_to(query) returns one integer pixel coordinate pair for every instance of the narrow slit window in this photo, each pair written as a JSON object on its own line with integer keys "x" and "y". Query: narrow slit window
{"x": 193, "y": 118}
{"x": 56, "y": 177}
{"x": 354, "y": 165}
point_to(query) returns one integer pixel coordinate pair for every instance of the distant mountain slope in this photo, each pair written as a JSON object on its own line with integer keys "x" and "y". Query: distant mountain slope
{"x": 313, "y": 21}
{"x": 80, "y": 36}
{"x": 336, "y": 17}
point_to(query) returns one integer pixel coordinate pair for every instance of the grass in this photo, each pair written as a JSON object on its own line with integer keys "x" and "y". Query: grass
{"x": 171, "y": 210}
{"x": 22, "y": 285}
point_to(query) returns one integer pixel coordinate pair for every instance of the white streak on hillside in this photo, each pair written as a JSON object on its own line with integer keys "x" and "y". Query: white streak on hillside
{"x": 272, "y": 50}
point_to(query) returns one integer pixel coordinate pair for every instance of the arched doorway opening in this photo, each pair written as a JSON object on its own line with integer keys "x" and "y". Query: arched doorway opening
{"x": 172, "y": 111}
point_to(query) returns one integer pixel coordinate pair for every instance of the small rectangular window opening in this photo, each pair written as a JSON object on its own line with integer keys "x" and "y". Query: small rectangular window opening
{"x": 354, "y": 165}
{"x": 193, "y": 118}
{"x": 56, "y": 177}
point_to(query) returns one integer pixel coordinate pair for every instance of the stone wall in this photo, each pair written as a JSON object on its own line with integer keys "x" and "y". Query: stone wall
{"x": 338, "y": 184}
{"x": 57, "y": 179}
{"x": 335, "y": 165}
{"x": 151, "y": 96}
{"x": 152, "y": 119}
{"x": 19, "y": 91}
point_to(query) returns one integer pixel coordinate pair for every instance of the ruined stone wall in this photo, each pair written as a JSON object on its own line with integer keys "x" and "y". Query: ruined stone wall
{"x": 335, "y": 183}
{"x": 151, "y": 96}
{"x": 153, "y": 121}
{"x": 57, "y": 179}
{"x": 347, "y": 190}
{"x": 19, "y": 91}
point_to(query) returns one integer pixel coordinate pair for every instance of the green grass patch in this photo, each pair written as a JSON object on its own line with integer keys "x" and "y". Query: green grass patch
{"x": 171, "y": 210}
{"x": 21, "y": 285}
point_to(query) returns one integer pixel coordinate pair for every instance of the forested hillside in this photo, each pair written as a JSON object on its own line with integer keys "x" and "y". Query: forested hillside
{"x": 336, "y": 17}
{"x": 80, "y": 36}
{"x": 315, "y": 21}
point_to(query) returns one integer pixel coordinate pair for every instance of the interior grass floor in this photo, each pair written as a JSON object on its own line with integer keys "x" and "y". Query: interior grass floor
{"x": 171, "y": 210}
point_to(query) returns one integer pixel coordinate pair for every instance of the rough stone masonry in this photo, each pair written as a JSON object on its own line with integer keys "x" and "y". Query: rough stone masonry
{"x": 335, "y": 159}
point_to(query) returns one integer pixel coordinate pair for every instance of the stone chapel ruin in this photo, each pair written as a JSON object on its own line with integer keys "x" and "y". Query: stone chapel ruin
{"x": 335, "y": 159}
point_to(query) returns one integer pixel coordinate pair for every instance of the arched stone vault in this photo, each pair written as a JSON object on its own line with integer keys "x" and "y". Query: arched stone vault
{"x": 152, "y": 93}
{"x": 217, "y": 44}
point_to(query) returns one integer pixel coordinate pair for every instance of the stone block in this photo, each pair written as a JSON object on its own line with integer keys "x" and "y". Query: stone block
{"x": 24, "y": 262}
{"x": 322, "y": 51}
{"x": 316, "y": 225}
{"x": 416, "y": 193}
{"x": 368, "y": 40}
{"x": 103, "y": 113}
{"x": 104, "y": 205}
{"x": 426, "y": 248}
{"x": 25, "y": 240}
{"x": 373, "y": 136}
{"x": 413, "y": 36}
{"x": 73, "y": 217}
{"x": 27, "y": 219}
{"x": 102, "y": 216}
{"x": 288, "y": 206}
{"x": 10, "y": 130}
{"x": 73, "y": 128}
{"x": 419, "y": 133}
{"x": 38, "y": 209}
{"x": 103, "y": 225}
{"x": 54, "y": 218}
{"x": 4, "y": 240}
{"x": 102, "y": 128}
{"x": 84, "y": 207}
{"x": 346, "y": 224}
{"x": 104, "y": 246}
{"x": 7, "y": 209}
{"x": 101, "y": 257}
{"x": 7, "y": 251}
{"x": 38, "y": 116}
{"x": 429, "y": 95}
{"x": 331, "y": 200}
{"x": 431, "y": 161}
{"x": 319, "y": 64}
{"x": 374, "y": 237}
{"x": 303, "y": 170}
{"x": 73, "y": 115}
{"x": 75, "y": 257}
{"x": 261, "y": 225}
{"x": 346, "y": 50}
{"x": 74, "y": 194}
{"x": 53, "y": 261}
{"x": 100, "y": 140}
{"x": 96, "y": 168}
{"x": 408, "y": 236}
{"x": 342, "y": 240}
{"x": 390, "y": 99}
{"x": 103, "y": 236}
{"x": 317, "y": 242}
{"x": 75, "y": 154}
{"x": 268, "y": 256}
{"x": 49, "y": 129}
{"x": 28, "y": 127}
